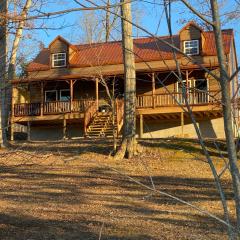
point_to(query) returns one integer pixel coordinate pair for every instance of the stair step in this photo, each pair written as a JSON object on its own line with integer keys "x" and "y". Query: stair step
{"x": 96, "y": 127}
{"x": 101, "y": 126}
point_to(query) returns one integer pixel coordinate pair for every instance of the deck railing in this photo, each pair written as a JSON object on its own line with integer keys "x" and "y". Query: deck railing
{"x": 56, "y": 107}
{"x": 27, "y": 109}
{"x": 167, "y": 99}
{"x": 142, "y": 101}
{"x": 91, "y": 109}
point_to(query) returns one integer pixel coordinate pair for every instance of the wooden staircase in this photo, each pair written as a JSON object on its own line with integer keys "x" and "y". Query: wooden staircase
{"x": 101, "y": 125}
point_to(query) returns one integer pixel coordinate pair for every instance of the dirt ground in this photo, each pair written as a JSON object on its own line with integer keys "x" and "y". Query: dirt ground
{"x": 74, "y": 190}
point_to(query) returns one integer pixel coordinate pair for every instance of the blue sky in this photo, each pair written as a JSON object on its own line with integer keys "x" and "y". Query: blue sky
{"x": 152, "y": 18}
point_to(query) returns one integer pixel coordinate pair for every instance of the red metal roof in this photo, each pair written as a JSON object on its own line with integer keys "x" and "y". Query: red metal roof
{"x": 145, "y": 49}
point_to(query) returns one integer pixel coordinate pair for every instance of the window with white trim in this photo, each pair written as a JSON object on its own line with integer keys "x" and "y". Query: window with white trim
{"x": 191, "y": 47}
{"x": 64, "y": 95}
{"x": 59, "y": 60}
{"x": 50, "y": 96}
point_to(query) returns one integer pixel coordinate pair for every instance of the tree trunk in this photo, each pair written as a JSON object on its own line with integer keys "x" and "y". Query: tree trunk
{"x": 13, "y": 58}
{"x": 107, "y": 23}
{"x": 18, "y": 36}
{"x": 227, "y": 113}
{"x": 3, "y": 62}
{"x": 128, "y": 147}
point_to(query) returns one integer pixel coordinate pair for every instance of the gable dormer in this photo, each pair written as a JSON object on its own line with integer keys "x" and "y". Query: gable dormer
{"x": 59, "y": 52}
{"x": 191, "y": 39}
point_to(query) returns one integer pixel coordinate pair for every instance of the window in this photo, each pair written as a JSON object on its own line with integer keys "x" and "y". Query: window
{"x": 50, "y": 96}
{"x": 64, "y": 95}
{"x": 201, "y": 84}
{"x": 201, "y": 91}
{"x": 191, "y": 47}
{"x": 59, "y": 60}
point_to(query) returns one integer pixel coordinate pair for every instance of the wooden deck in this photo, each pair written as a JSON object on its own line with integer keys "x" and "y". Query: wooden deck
{"x": 145, "y": 104}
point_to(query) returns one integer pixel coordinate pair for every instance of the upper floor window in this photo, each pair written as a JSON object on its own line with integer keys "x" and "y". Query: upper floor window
{"x": 191, "y": 47}
{"x": 59, "y": 60}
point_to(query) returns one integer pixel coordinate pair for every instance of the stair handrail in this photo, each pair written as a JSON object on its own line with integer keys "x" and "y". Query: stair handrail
{"x": 90, "y": 110}
{"x": 120, "y": 113}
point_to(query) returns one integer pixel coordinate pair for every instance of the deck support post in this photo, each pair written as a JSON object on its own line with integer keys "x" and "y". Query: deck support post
{"x": 71, "y": 95}
{"x": 141, "y": 126}
{"x": 29, "y": 131}
{"x": 182, "y": 123}
{"x": 12, "y": 130}
{"x": 42, "y": 99}
{"x": 96, "y": 81}
{"x": 153, "y": 90}
{"x": 64, "y": 128}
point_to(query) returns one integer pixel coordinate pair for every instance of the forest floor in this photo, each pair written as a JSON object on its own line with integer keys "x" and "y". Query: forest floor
{"x": 74, "y": 190}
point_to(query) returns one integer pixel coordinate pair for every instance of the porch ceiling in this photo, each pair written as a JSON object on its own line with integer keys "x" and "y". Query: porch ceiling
{"x": 177, "y": 115}
{"x": 178, "y": 109}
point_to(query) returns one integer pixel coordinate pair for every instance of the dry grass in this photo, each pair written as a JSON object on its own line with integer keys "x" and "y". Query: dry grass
{"x": 68, "y": 191}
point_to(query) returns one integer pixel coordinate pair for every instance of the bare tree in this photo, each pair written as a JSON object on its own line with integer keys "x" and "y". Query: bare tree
{"x": 3, "y": 62}
{"x": 227, "y": 106}
{"x": 128, "y": 146}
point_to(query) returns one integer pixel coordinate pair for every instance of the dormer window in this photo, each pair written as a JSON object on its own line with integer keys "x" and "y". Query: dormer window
{"x": 191, "y": 47}
{"x": 59, "y": 60}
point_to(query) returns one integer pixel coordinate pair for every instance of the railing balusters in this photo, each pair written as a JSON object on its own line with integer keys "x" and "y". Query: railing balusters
{"x": 196, "y": 97}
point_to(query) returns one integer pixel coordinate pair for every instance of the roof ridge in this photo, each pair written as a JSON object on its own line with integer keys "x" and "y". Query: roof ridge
{"x": 137, "y": 39}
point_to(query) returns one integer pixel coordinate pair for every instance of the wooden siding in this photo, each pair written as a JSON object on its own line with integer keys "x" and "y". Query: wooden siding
{"x": 191, "y": 32}
{"x": 35, "y": 92}
{"x": 58, "y": 46}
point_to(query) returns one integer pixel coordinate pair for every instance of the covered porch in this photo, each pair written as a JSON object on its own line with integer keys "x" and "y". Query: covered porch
{"x": 153, "y": 90}
{"x": 157, "y": 93}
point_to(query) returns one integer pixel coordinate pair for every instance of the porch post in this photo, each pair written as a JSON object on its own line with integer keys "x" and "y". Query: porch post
{"x": 182, "y": 123}
{"x": 141, "y": 126}
{"x": 42, "y": 99}
{"x": 12, "y": 130}
{"x": 71, "y": 95}
{"x": 153, "y": 90}
{"x": 96, "y": 81}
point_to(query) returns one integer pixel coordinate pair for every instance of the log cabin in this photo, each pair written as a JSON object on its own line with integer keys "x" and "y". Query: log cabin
{"x": 65, "y": 90}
